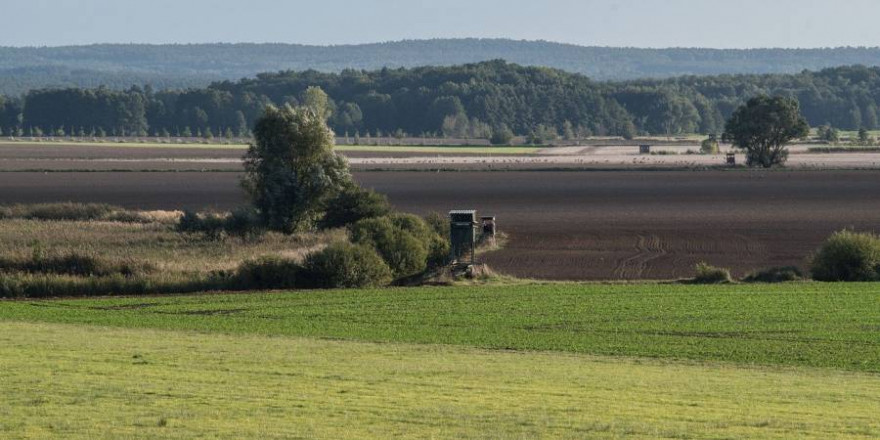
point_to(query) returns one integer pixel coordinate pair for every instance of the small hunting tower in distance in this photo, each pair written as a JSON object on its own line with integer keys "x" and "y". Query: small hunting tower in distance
{"x": 463, "y": 236}
{"x": 644, "y": 149}
{"x": 731, "y": 159}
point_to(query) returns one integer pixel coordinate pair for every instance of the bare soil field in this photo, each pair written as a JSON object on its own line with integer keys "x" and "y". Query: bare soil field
{"x": 594, "y": 225}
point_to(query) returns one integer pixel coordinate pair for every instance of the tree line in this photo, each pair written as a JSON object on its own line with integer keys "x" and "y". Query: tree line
{"x": 481, "y": 100}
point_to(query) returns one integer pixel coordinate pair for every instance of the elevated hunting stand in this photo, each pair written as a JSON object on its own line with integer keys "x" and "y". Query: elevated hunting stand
{"x": 463, "y": 236}
{"x": 488, "y": 227}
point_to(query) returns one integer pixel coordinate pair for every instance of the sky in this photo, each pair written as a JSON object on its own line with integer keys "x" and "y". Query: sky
{"x": 632, "y": 23}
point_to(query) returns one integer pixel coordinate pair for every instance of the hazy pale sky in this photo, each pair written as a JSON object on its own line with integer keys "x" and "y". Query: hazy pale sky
{"x": 641, "y": 23}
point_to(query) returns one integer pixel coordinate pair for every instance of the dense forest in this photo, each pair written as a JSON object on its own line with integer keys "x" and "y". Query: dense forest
{"x": 189, "y": 65}
{"x": 474, "y": 100}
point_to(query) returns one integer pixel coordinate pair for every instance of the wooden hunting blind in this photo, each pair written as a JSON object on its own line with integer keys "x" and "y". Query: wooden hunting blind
{"x": 644, "y": 149}
{"x": 463, "y": 236}
{"x": 488, "y": 227}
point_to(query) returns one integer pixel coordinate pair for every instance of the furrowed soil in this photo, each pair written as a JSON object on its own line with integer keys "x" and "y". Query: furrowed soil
{"x": 595, "y": 225}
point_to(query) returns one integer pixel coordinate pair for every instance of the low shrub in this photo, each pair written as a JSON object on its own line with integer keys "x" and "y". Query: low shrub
{"x": 210, "y": 224}
{"x": 848, "y": 256}
{"x": 709, "y": 146}
{"x": 439, "y": 251}
{"x": 402, "y": 240}
{"x": 439, "y": 224}
{"x": 352, "y": 205}
{"x": 243, "y": 223}
{"x": 413, "y": 224}
{"x": 269, "y": 272}
{"x": 439, "y": 248}
{"x": 707, "y": 274}
{"x": 501, "y": 135}
{"x": 775, "y": 275}
{"x": 345, "y": 265}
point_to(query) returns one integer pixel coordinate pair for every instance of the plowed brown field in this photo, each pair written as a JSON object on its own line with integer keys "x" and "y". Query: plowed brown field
{"x": 563, "y": 225}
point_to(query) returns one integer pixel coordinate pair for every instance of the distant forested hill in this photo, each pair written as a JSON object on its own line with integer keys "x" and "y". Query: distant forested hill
{"x": 179, "y": 66}
{"x": 472, "y": 100}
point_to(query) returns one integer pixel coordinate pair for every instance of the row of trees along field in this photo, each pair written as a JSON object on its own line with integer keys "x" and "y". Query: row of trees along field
{"x": 474, "y": 100}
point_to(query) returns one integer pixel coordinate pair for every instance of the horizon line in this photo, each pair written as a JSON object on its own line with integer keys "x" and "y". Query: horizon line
{"x": 416, "y": 40}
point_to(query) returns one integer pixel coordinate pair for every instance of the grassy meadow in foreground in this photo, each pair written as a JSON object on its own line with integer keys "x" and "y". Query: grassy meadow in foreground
{"x": 84, "y": 382}
{"x": 806, "y": 324}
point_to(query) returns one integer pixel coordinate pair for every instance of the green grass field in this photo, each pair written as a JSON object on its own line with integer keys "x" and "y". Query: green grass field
{"x": 519, "y": 361}
{"x": 809, "y": 324}
{"x": 87, "y": 382}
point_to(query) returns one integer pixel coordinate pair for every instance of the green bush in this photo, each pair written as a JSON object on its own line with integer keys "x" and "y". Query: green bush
{"x": 413, "y": 224}
{"x": 401, "y": 240}
{"x": 707, "y": 274}
{"x": 439, "y": 224}
{"x": 709, "y": 146}
{"x": 352, "y": 205}
{"x": 439, "y": 251}
{"x": 501, "y": 135}
{"x": 210, "y": 224}
{"x": 244, "y": 223}
{"x": 775, "y": 275}
{"x": 345, "y": 265}
{"x": 269, "y": 272}
{"x": 848, "y": 256}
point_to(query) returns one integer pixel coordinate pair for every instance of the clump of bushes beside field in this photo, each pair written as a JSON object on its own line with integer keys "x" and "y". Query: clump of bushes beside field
{"x": 707, "y": 274}
{"x": 848, "y": 256}
{"x": 775, "y": 275}
{"x": 381, "y": 250}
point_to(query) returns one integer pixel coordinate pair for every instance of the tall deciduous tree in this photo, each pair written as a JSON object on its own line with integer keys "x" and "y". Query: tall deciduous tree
{"x": 764, "y": 126}
{"x": 316, "y": 99}
{"x": 291, "y": 169}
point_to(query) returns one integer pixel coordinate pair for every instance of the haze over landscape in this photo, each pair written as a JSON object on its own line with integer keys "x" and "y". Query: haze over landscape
{"x": 619, "y": 23}
{"x": 176, "y": 44}
{"x": 454, "y": 219}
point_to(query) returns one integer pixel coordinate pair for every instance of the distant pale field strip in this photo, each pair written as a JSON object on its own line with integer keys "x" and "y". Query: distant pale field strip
{"x": 83, "y": 382}
{"x": 169, "y": 157}
{"x": 343, "y": 148}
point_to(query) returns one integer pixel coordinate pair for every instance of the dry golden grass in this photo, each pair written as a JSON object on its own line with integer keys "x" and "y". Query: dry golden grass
{"x": 155, "y": 243}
